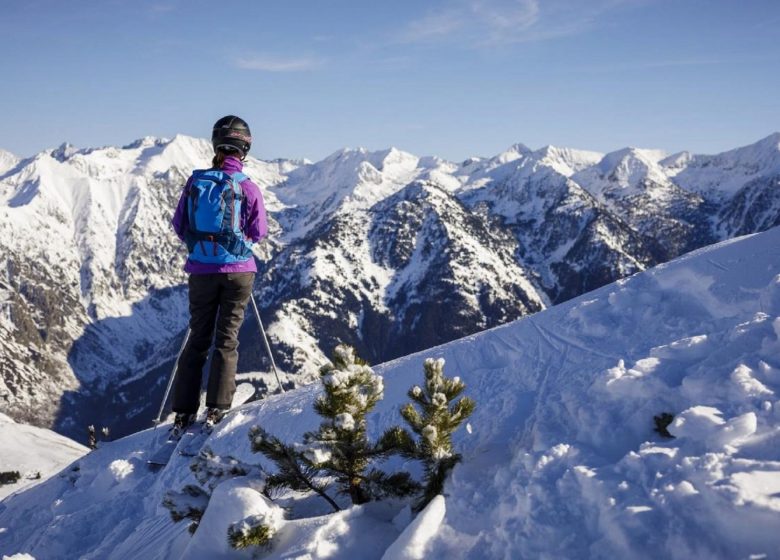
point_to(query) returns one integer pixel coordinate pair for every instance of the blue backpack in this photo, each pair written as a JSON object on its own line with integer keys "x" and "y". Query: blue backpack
{"x": 214, "y": 210}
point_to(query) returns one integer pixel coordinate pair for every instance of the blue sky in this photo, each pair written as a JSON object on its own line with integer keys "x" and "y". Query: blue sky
{"x": 450, "y": 78}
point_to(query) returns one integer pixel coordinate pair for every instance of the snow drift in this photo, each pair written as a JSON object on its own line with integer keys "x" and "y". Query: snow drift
{"x": 560, "y": 458}
{"x": 35, "y": 453}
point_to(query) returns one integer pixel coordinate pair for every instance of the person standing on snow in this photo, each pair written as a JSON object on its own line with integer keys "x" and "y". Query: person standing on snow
{"x": 220, "y": 216}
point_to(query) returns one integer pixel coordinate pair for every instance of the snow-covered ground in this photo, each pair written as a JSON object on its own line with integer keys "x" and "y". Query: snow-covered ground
{"x": 560, "y": 459}
{"x": 34, "y": 453}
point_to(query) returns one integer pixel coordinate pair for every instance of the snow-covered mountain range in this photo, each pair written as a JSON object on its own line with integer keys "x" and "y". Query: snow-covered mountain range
{"x": 560, "y": 458}
{"x": 385, "y": 250}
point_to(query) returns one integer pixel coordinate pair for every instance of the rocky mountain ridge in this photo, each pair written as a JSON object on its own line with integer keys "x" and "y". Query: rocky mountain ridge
{"x": 386, "y": 250}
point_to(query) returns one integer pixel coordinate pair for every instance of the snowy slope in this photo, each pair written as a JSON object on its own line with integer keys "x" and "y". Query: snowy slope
{"x": 34, "y": 453}
{"x": 560, "y": 461}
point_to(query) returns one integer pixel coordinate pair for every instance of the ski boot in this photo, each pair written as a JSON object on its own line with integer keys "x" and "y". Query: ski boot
{"x": 213, "y": 417}
{"x": 181, "y": 422}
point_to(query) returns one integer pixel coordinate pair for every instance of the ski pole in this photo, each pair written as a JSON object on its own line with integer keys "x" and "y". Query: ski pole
{"x": 170, "y": 380}
{"x": 265, "y": 339}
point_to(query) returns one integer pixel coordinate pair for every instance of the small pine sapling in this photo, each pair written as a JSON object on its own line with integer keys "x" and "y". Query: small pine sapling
{"x": 255, "y": 530}
{"x": 91, "y": 437}
{"x": 434, "y": 418}
{"x": 211, "y": 470}
{"x": 293, "y": 470}
{"x": 341, "y": 448}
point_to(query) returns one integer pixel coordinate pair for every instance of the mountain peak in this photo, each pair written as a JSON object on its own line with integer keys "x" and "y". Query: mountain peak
{"x": 625, "y": 168}
{"x": 345, "y": 152}
{"x": 630, "y": 159}
{"x": 64, "y": 151}
{"x": 146, "y": 142}
{"x": 773, "y": 138}
{"x": 727, "y": 172}
{"x": 514, "y": 152}
{"x": 7, "y": 161}
{"x": 769, "y": 146}
{"x": 392, "y": 157}
{"x": 566, "y": 161}
{"x": 520, "y": 148}
{"x": 677, "y": 161}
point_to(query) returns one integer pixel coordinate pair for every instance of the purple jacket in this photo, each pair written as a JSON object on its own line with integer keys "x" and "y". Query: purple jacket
{"x": 254, "y": 223}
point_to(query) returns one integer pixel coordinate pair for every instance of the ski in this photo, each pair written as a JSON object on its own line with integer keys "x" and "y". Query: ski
{"x": 195, "y": 435}
{"x": 192, "y": 446}
{"x": 164, "y": 453}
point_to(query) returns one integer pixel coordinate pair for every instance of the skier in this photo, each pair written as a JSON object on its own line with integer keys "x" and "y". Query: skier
{"x": 220, "y": 216}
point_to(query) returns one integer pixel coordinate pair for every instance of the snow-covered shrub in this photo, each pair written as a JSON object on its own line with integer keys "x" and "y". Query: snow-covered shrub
{"x": 91, "y": 437}
{"x": 255, "y": 530}
{"x": 190, "y": 504}
{"x": 210, "y": 469}
{"x": 10, "y": 477}
{"x": 433, "y": 416}
{"x": 340, "y": 449}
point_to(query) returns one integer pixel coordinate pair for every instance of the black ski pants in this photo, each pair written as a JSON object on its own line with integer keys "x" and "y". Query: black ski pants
{"x": 216, "y": 300}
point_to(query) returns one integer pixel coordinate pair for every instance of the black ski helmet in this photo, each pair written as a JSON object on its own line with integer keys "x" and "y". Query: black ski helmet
{"x": 232, "y": 132}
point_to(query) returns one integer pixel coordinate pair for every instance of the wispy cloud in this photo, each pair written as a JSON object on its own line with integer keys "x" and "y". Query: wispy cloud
{"x": 490, "y": 22}
{"x": 514, "y": 15}
{"x": 432, "y": 26}
{"x": 267, "y": 63}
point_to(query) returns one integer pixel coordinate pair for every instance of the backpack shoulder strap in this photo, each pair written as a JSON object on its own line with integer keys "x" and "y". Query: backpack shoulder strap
{"x": 239, "y": 177}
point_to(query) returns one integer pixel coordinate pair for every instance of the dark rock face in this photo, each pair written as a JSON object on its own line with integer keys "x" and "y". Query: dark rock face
{"x": 755, "y": 208}
{"x": 594, "y": 260}
{"x": 573, "y": 242}
{"x": 421, "y": 288}
{"x": 449, "y": 263}
{"x": 42, "y": 312}
{"x": 677, "y": 220}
